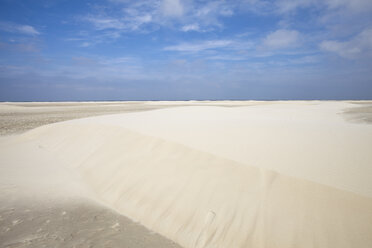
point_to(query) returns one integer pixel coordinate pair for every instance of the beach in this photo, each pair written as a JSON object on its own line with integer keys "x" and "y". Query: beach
{"x": 186, "y": 174}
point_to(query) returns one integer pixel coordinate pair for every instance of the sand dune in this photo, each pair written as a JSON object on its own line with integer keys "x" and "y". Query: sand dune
{"x": 287, "y": 174}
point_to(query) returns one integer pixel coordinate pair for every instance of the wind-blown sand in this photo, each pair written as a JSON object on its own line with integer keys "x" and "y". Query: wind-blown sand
{"x": 273, "y": 174}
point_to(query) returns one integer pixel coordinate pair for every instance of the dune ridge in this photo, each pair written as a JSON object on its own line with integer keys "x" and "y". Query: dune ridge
{"x": 308, "y": 140}
{"x": 201, "y": 200}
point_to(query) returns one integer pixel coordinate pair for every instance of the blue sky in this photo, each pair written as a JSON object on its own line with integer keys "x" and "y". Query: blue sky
{"x": 185, "y": 49}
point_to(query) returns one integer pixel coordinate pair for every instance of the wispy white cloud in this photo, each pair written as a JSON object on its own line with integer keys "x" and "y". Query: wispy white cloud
{"x": 309, "y": 59}
{"x": 128, "y": 21}
{"x": 172, "y": 8}
{"x": 105, "y": 23}
{"x": 26, "y": 29}
{"x": 16, "y": 28}
{"x": 285, "y": 6}
{"x": 210, "y": 13}
{"x": 86, "y": 44}
{"x": 125, "y": 24}
{"x": 191, "y": 27}
{"x": 281, "y": 38}
{"x": 358, "y": 47}
{"x": 119, "y": 60}
{"x": 336, "y": 17}
{"x": 227, "y": 57}
{"x": 199, "y": 46}
{"x": 90, "y": 39}
{"x": 184, "y": 15}
{"x": 104, "y": 61}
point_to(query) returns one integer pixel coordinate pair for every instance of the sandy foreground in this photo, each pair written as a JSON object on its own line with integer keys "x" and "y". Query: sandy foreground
{"x": 200, "y": 174}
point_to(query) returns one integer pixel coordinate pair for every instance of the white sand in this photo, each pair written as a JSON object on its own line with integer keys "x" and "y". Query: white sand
{"x": 283, "y": 174}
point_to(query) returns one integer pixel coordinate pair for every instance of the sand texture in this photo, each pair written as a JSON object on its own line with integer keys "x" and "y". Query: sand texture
{"x": 269, "y": 174}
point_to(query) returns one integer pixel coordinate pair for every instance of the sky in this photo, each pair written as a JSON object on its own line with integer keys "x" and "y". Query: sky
{"x": 61, "y": 50}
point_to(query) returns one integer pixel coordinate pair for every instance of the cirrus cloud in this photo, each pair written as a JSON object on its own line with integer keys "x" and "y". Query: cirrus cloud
{"x": 16, "y": 28}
